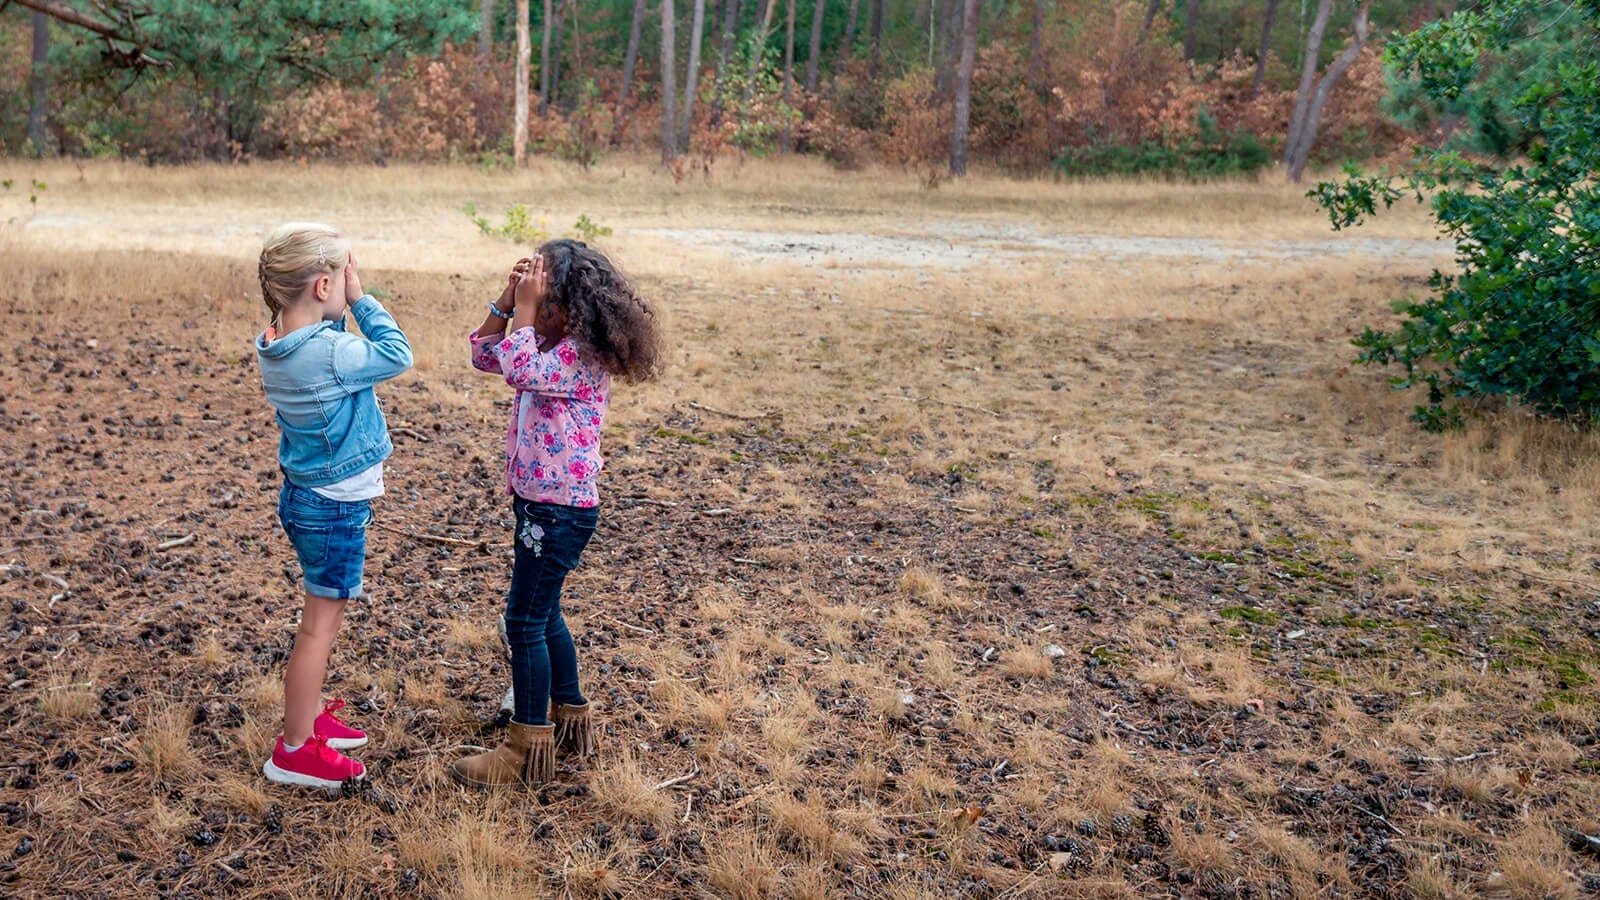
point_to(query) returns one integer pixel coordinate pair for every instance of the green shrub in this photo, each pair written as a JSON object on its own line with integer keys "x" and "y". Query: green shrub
{"x": 1520, "y": 319}
{"x": 1210, "y": 153}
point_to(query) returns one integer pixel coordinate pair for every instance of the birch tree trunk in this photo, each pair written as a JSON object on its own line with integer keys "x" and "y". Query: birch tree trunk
{"x": 519, "y": 138}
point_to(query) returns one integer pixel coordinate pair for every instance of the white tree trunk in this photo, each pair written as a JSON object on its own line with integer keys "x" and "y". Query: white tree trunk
{"x": 519, "y": 138}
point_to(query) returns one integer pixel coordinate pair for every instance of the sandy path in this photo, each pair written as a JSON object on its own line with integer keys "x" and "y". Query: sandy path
{"x": 959, "y": 245}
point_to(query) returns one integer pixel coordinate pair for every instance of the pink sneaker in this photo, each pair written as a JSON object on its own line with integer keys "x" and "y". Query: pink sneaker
{"x": 339, "y": 735}
{"x": 314, "y": 765}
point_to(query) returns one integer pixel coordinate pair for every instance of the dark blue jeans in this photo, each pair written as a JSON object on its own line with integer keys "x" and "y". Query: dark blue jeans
{"x": 544, "y": 662}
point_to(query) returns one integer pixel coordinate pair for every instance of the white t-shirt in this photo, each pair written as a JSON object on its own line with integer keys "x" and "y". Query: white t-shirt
{"x": 363, "y": 485}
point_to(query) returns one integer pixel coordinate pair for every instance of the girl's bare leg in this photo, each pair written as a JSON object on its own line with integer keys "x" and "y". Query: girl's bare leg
{"x": 308, "y": 665}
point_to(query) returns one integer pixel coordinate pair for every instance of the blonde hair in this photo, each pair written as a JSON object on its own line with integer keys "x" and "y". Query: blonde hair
{"x": 293, "y": 256}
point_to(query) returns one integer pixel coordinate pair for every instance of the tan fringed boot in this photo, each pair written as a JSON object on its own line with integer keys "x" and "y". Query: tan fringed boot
{"x": 525, "y": 758}
{"x": 574, "y": 728}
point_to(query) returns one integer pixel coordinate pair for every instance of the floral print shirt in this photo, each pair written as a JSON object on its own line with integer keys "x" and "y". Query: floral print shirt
{"x": 553, "y": 443}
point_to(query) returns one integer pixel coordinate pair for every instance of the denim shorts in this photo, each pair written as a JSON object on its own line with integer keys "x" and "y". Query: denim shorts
{"x": 329, "y": 537}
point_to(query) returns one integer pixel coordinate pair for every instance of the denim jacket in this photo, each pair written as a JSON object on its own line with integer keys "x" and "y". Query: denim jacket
{"x": 320, "y": 379}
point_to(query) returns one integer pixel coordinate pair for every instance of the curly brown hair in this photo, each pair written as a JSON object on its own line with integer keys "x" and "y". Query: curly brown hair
{"x": 605, "y": 315}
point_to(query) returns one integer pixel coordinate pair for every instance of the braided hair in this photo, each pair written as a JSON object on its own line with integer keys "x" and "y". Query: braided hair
{"x": 605, "y": 315}
{"x": 293, "y": 256}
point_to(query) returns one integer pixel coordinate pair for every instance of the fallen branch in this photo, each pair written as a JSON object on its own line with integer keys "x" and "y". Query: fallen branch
{"x": 1451, "y": 759}
{"x": 411, "y": 433}
{"x": 436, "y": 538}
{"x": 966, "y": 406}
{"x": 743, "y": 417}
{"x": 1132, "y": 729}
{"x": 1389, "y": 824}
{"x": 674, "y": 782}
{"x": 647, "y": 501}
{"x": 629, "y": 627}
{"x": 716, "y": 512}
{"x": 176, "y": 542}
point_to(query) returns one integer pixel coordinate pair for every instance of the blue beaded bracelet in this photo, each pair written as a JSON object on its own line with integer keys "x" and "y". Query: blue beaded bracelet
{"x": 495, "y": 310}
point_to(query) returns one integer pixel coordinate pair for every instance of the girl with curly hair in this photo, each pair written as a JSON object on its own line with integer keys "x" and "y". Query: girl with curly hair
{"x": 566, "y": 324}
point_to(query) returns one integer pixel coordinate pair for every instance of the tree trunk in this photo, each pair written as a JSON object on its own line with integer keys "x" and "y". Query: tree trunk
{"x": 1308, "y": 79}
{"x": 629, "y": 61}
{"x": 877, "y": 36}
{"x": 1266, "y": 46}
{"x": 1301, "y": 151}
{"x": 963, "y": 110}
{"x": 692, "y": 78}
{"x": 669, "y": 85}
{"x": 730, "y": 24}
{"x": 544, "y": 64}
{"x": 485, "y": 28}
{"x": 555, "y": 52}
{"x": 1036, "y": 46}
{"x": 944, "y": 67}
{"x": 814, "y": 52}
{"x": 1150, "y": 15}
{"x": 1191, "y": 21}
{"x": 786, "y": 139}
{"x": 38, "y": 80}
{"x": 519, "y": 136}
{"x": 849, "y": 32}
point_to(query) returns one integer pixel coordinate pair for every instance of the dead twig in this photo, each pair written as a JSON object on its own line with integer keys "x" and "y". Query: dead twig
{"x": 176, "y": 542}
{"x": 982, "y": 409}
{"x": 1390, "y": 825}
{"x": 411, "y": 433}
{"x": 674, "y": 782}
{"x": 646, "y": 501}
{"x": 1417, "y": 760}
{"x": 637, "y": 628}
{"x": 743, "y": 417}
{"x": 436, "y": 538}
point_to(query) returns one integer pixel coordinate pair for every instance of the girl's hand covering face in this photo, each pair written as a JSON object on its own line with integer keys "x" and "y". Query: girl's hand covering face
{"x": 523, "y": 267}
{"x": 532, "y": 282}
{"x": 352, "y": 281}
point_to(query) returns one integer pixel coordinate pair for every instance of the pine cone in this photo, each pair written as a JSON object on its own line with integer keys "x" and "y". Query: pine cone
{"x": 1121, "y": 825}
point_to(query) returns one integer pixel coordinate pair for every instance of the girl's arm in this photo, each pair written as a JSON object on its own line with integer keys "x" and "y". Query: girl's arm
{"x": 493, "y": 329}
{"x": 384, "y": 354}
{"x": 558, "y": 373}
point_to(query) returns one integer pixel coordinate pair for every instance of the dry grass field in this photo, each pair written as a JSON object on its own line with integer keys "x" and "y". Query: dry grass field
{"x": 1006, "y": 539}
